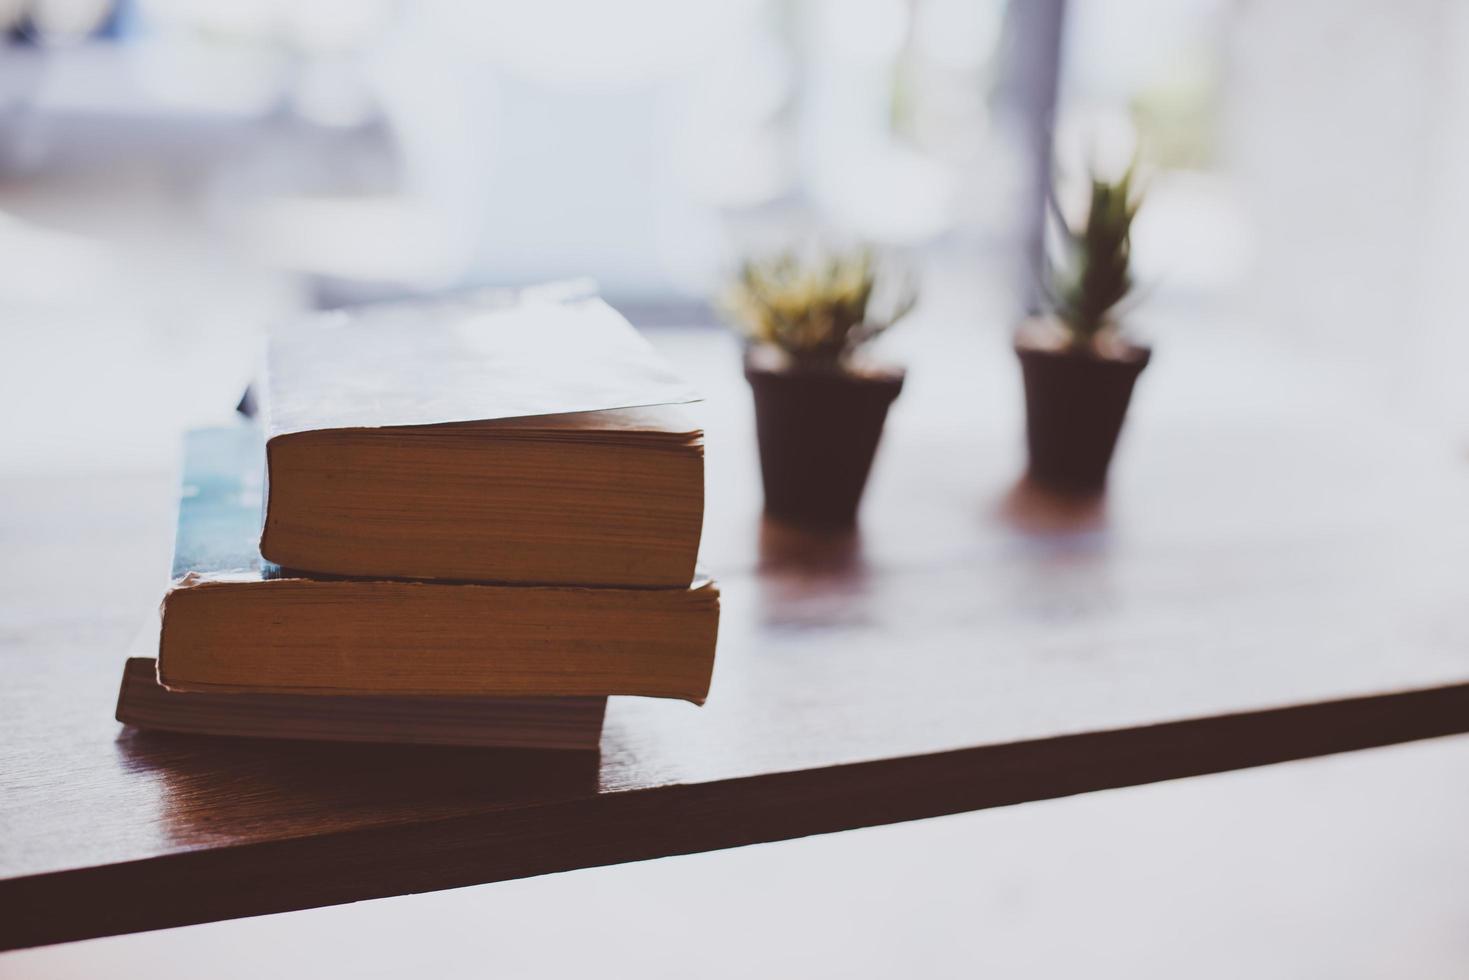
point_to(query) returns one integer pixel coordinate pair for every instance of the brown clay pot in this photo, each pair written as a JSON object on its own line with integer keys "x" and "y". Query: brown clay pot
{"x": 1074, "y": 407}
{"x": 818, "y": 432}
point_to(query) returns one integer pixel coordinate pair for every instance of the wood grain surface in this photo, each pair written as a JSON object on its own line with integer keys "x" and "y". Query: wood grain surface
{"x": 1259, "y": 585}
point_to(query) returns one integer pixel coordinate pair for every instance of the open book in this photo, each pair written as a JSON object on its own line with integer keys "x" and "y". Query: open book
{"x": 539, "y": 441}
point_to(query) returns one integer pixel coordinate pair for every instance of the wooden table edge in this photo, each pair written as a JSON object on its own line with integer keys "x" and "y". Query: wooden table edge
{"x": 212, "y": 884}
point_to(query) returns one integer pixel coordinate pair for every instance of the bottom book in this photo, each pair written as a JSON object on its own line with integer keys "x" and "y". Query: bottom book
{"x": 482, "y": 722}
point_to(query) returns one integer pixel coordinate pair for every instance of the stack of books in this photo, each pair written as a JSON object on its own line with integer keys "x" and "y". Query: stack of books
{"x": 460, "y": 524}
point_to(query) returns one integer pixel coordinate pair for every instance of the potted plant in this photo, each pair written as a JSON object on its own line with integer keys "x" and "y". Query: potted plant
{"x": 819, "y": 410}
{"x": 1079, "y": 368}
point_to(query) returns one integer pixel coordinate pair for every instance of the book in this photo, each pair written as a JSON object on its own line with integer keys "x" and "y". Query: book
{"x": 480, "y": 722}
{"x": 235, "y": 623}
{"x": 536, "y": 442}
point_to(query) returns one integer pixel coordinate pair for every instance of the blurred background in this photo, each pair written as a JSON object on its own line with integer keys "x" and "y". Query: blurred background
{"x": 176, "y": 174}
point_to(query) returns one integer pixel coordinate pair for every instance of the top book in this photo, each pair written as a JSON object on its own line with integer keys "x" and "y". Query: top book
{"x": 531, "y": 441}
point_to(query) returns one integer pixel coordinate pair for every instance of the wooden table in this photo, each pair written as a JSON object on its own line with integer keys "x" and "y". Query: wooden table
{"x": 1260, "y": 585}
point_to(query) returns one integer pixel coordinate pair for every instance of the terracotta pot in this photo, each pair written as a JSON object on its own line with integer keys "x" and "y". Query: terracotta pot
{"x": 1074, "y": 407}
{"x": 818, "y": 432}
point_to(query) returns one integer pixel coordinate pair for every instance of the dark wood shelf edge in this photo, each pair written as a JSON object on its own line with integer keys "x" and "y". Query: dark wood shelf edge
{"x": 613, "y": 828}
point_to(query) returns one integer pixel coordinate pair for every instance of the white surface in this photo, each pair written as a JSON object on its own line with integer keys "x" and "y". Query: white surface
{"x": 1347, "y": 867}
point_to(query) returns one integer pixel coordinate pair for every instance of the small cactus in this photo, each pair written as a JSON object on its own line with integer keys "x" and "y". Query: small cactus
{"x": 1093, "y": 274}
{"x": 815, "y": 310}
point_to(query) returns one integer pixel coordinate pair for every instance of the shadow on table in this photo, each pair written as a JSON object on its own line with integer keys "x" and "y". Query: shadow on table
{"x": 1033, "y": 509}
{"x": 218, "y": 789}
{"x": 812, "y": 578}
{"x": 818, "y": 552}
{"x": 1058, "y": 565}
